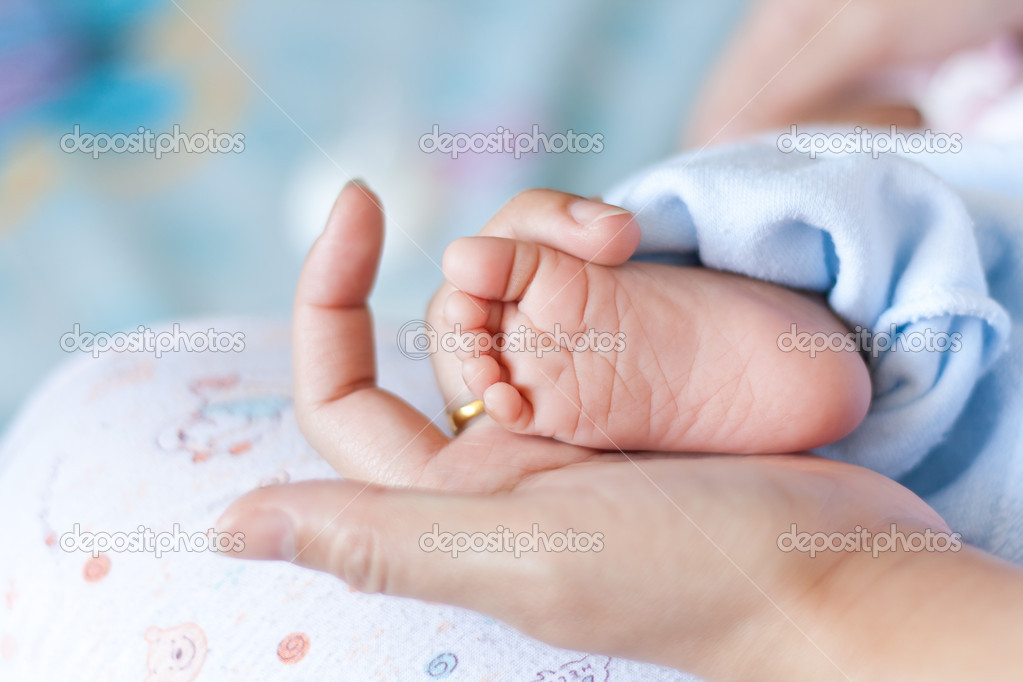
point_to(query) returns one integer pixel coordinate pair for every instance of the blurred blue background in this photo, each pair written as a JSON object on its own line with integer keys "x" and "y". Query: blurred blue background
{"x": 320, "y": 91}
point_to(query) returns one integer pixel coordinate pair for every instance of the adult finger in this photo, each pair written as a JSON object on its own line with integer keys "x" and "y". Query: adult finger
{"x": 340, "y": 410}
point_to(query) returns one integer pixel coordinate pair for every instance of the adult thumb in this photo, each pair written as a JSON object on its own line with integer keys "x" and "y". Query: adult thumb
{"x": 414, "y": 543}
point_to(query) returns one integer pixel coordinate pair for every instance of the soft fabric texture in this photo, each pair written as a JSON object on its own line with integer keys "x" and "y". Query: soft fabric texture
{"x": 924, "y": 244}
{"x": 126, "y": 440}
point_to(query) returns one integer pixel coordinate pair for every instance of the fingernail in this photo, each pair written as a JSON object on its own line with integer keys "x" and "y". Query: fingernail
{"x": 356, "y": 182}
{"x": 588, "y": 212}
{"x": 265, "y": 533}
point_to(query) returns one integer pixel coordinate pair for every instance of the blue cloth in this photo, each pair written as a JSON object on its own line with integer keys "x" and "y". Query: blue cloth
{"x": 922, "y": 245}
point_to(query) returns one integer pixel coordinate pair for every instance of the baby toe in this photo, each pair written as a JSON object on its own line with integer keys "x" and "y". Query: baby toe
{"x": 491, "y": 267}
{"x": 508, "y": 407}
{"x": 480, "y": 373}
{"x": 468, "y": 311}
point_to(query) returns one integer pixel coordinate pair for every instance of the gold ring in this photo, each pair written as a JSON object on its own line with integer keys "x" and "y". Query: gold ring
{"x": 464, "y": 414}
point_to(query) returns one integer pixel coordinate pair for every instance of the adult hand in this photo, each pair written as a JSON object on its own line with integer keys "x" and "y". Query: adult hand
{"x": 689, "y": 572}
{"x": 797, "y": 61}
{"x": 369, "y": 434}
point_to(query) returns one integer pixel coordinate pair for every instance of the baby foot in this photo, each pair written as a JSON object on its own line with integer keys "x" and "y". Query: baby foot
{"x": 669, "y": 358}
